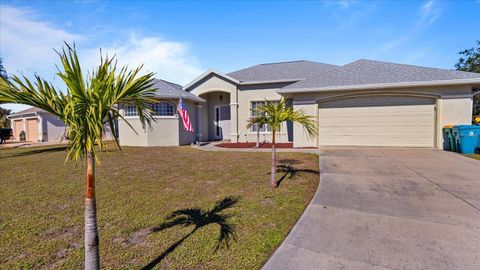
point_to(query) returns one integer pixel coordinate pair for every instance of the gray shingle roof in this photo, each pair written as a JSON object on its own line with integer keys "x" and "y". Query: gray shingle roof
{"x": 283, "y": 70}
{"x": 167, "y": 89}
{"x": 360, "y": 72}
{"x": 375, "y": 72}
{"x": 31, "y": 110}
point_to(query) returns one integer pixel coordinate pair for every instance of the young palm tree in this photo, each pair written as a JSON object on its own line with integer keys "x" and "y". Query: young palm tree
{"x": 275, "y": 114}
{"x": 87, "y": 106}
{"x": 258, "y": 121}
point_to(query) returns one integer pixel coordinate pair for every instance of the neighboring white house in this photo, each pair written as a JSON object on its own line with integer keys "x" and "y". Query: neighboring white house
{"x": 364, "y": 103}
{"x": 41, "y": 126}
{"x": 38, "y": 125}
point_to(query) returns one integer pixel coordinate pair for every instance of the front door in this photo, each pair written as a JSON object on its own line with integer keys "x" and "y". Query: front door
{"x": 222, "y": 122}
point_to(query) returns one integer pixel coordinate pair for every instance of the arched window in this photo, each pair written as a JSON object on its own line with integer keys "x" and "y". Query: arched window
{"x": 163, "y": 108}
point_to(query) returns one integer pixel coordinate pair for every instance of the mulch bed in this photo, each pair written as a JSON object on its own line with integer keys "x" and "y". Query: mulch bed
{"x": 252, "y": 145}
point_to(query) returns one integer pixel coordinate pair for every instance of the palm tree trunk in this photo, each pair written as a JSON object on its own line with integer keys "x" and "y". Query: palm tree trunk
{"x": 273, "y": 181}
{"x": 92, "y": 256}
{"x": 258, "y": 137}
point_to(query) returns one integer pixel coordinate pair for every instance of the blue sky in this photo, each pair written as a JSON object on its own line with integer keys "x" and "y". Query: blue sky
{"x": 179, "y": 40}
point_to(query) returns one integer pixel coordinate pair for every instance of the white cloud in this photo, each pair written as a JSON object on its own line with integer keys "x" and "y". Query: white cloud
{"x": 429, "y": 13}
{"x": 393, "y": 44}
{"x": 27, "y": 44}
{"x": 170, "y": 60}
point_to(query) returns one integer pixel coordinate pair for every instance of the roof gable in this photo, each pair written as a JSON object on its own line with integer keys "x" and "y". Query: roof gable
{"x": 165, "y": 89}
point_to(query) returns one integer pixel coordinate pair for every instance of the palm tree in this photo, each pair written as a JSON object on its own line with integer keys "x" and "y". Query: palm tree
{"x": 275, "y": 114}
{"x": 258, "y": 120}
{"x": 199, "y": 218}
{"x": 87, "y": 106}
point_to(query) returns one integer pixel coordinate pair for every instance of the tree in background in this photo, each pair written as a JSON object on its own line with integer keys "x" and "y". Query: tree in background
{"x": 470, "y": 61}
{"x": 3, "y": 72}
{"x": 89, "y": 103}
{"x": 4, "y": 122}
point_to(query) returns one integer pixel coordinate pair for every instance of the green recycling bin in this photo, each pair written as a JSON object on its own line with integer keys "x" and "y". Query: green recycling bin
{"x": 449, "y": 142}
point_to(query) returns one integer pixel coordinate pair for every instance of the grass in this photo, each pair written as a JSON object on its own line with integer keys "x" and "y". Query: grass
{"x": 41, "y": 216}
{"x": 474, "y": 156}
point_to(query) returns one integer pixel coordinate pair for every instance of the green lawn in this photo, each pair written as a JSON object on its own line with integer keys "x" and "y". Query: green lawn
{"x": 475, "y": 156}
{"x": 41, "y": 213}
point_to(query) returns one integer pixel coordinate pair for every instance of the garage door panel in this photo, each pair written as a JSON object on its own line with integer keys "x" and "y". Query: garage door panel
{"x": 370, "y": 121}
{"x": 32, "y": 130}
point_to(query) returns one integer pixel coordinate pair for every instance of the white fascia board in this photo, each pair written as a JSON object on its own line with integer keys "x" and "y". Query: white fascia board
{"x": 381, "y": 86}
{"x": 207, "y": 73}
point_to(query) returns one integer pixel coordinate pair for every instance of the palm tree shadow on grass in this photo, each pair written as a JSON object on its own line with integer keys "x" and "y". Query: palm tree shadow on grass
{"x": 290, "y": 171}
{"x": 199, "y": 218}
{"x": 33, "y": 151}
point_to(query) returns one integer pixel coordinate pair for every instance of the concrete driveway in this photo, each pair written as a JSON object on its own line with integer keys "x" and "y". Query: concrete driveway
{"x": 387, "y": 208}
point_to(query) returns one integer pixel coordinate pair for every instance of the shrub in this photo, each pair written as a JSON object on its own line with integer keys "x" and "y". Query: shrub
{"x": 22, "y": 136}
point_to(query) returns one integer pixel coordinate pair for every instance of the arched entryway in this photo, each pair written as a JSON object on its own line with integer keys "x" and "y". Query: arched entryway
{"x": 216, "y": 116}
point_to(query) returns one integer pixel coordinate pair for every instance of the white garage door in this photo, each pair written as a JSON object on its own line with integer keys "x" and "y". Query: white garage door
{"x": 377, "y": 121}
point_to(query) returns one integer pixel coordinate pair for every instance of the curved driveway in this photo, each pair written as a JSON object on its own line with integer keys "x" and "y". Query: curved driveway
{"x": 388, "y": 208}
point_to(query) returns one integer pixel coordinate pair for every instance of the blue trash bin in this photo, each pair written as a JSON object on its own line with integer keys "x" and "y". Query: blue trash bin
{"x": 467, "y": 138}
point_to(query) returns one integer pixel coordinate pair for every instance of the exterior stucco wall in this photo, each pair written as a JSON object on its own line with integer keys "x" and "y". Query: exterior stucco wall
{"x": 300, "y": 136}
{"x": 213, "y": 83}
{"x": 453, "y": 106}
{"x": 127, "y": 135}
{"x": 245, "y": 98}
{"x": 53, "y": 128}
{"x": 165, "y": 131}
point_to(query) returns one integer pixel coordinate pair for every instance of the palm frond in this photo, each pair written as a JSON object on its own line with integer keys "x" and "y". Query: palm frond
{"x": 226, "y": 203}
{"x": 90, "y": 103}
{"x": 276, "y": 113}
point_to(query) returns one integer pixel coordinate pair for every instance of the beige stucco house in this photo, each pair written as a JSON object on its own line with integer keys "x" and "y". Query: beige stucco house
{"x": 38, "y": 125}
{"x": 364, "y": 103}
{"x": 42, "y": 126}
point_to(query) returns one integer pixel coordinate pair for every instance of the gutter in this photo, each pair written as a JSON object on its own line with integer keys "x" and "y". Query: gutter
{"x": 13, "y": 116}
{"x": 381, "y": 86}
{"x": 270, "y": 81}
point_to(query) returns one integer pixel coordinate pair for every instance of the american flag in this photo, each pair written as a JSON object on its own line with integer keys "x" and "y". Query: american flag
{"x": 182, "y": 109}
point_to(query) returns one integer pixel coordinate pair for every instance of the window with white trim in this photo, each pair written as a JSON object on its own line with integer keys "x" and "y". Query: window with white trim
{"x": 130, "y": 110}
{"x": 254, "y": 107}
{"x": 163, "y": 108}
